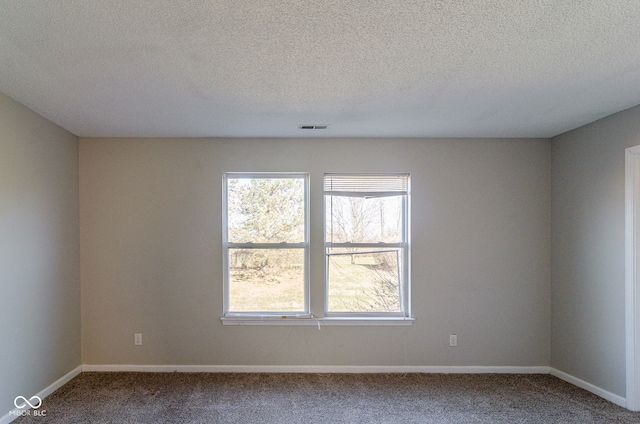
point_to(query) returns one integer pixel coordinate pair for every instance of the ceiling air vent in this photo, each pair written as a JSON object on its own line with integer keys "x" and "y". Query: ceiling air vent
{"x": 313, "y": 127}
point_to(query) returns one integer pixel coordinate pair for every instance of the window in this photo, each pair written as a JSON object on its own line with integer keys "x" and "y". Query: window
{"x": 266, "y": 244}
{"x": 366, "y": 245}
{"x": 267, "y": 250}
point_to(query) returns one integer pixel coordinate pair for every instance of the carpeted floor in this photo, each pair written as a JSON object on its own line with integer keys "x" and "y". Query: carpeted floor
{"x": 324, "y": 398}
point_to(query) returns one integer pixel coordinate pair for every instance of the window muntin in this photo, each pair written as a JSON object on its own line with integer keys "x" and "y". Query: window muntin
{"x": 366, "y": 244}
{"x": 266, "y": 245}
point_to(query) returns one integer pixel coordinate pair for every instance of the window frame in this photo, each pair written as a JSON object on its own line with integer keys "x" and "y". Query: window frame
{"x": 403, "y": 245}
{"x": 227, "y": 245}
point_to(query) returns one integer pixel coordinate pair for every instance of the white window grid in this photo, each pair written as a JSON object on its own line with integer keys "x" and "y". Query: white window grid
{"x": 227, "y": 245}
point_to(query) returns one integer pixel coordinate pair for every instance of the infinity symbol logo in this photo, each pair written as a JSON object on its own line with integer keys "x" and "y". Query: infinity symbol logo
{"x": 34, "y": 405}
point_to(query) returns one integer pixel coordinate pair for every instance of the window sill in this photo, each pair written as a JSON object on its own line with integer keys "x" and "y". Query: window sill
{"x": 319, "y": 322}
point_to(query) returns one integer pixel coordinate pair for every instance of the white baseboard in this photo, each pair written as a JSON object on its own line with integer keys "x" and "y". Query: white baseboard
{"x": 319, "y": 369}
{"x": 13, "y": 414}
{"x": 611, "y": 397}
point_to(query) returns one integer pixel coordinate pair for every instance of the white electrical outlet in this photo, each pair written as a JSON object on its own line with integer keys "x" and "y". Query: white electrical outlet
{"x": 453, "y": 340}
{"x": 137, "y": 339}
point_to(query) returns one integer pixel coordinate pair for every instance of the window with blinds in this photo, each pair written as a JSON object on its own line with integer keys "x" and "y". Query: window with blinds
{"x": 367, "y": 244}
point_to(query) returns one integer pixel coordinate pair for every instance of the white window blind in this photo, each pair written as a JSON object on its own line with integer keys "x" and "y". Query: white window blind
{"x": 366, "y": 185}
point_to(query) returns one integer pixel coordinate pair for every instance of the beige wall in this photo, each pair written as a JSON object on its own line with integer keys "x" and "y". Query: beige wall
{"x": 151, "y": 252}
{"x": 588, "y": 304}
{"x": 39, "y": 253}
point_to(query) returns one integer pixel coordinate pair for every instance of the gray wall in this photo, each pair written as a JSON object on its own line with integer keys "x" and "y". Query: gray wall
{"x": 39, "y": 253}
{"x": 588, "y": 210}
{"x": 151, "y": 252}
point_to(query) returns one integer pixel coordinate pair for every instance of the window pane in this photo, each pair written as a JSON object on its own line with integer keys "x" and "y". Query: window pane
{"x": 267, "y": 280}
{"x": 364, "y": 219}
{"x": 364, "y": 280}
{"x": 265, "y": 210}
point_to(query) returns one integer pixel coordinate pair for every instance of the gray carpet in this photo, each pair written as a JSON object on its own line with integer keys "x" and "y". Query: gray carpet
{"x": 324, "y": 398}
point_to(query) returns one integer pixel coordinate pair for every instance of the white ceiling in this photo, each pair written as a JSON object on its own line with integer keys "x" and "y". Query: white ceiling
{"x": 368, "y": 68}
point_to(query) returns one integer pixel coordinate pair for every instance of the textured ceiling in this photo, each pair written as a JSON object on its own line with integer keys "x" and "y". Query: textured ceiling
{"x": 261, "y": 68}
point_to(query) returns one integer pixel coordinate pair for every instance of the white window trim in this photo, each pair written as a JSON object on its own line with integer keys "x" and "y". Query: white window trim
{"x": 319, "y": 322}
{"x": 226, "y": 245}
{"x": 405, "y": 291}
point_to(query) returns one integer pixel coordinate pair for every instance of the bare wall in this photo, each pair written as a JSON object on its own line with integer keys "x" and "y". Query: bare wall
{"x": 39, "y": 253}
{"x": 588, "y": 210}
{"x": 151, "y": 252}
